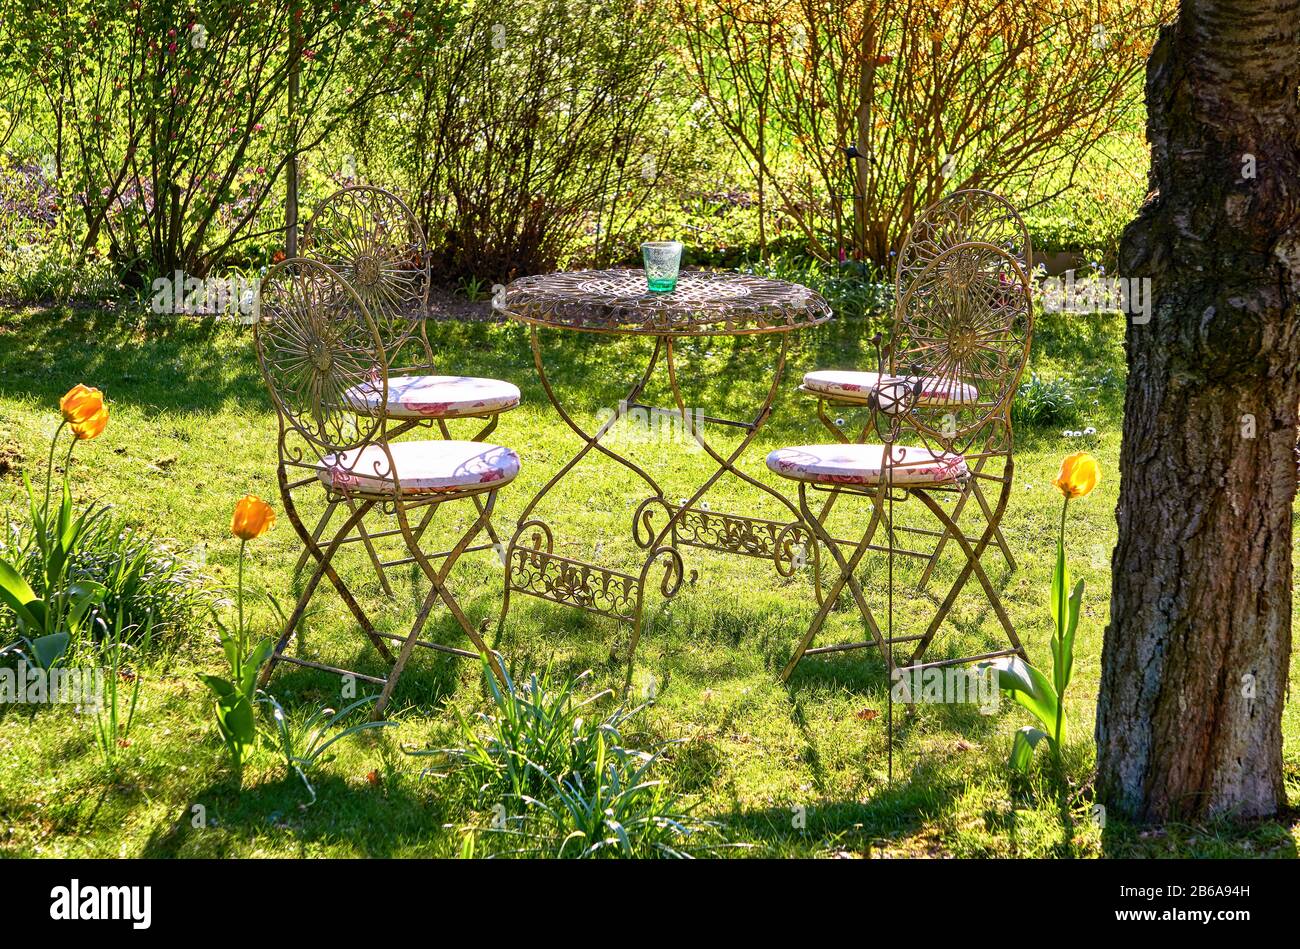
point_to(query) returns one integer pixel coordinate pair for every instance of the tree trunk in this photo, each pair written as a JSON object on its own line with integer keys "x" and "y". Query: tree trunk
{"x": 1195, "y": 661}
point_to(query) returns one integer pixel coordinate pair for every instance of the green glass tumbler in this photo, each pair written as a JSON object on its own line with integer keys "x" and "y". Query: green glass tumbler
{"x": 662, "y": 261}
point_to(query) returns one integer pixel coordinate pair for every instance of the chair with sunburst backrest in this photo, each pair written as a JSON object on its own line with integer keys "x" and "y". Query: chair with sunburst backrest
{"x": 370, "y": 237}
{"x": 320, "y": 352}
{"x": 965, "y": 216}
{"x": 960, "y": 340}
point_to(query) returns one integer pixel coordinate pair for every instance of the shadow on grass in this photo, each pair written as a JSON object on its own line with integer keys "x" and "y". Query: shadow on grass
{"x": 381, "y": 819}
{"x": 169, "y": 365}
{"x": 1220, "y": 838}
{"x": 890, "y": 814}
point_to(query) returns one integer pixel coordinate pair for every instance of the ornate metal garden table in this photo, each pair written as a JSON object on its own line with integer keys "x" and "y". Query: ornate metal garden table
{"x": 617, "y": 302}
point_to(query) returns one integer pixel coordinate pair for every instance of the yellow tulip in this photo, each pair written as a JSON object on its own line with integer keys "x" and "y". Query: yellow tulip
{"x": 253, "y": 517}
{"x": 80, "y": 404}
{"x": 93, "y": 426}
{"x": 1080, "y": 473}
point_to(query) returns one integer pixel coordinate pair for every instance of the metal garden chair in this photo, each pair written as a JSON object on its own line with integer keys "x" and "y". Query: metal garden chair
{"x": 370, "y": 237}
{"x": 321, "y": 355}
{"x": 961, "y": 217}
{"x": 963, "y": 326}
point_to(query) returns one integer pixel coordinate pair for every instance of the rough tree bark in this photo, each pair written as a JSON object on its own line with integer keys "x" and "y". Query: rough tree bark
{"x": 1194, "y": 666}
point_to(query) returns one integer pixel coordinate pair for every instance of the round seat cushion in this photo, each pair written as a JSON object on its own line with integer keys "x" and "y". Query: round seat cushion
{"x": 857, "y": 386}
{"x": 862, "y": 464}
{"x": 423, "y": 467}
{"x": 435, "y": 397}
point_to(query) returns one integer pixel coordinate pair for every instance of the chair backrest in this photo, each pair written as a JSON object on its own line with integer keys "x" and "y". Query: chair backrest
{"x": 964, "y": 327}
{"x": 320, "y": 354}
{"x": 959, "y": 218}
{"x": 371, "y": 238}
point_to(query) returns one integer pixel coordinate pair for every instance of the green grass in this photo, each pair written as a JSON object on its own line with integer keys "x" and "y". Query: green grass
{"x": 192, "y": 430}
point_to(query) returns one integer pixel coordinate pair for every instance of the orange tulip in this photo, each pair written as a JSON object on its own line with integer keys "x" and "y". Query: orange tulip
{"x": 92, "y": 427}
{"x": 1080, "y": 473}
{"x": 253, "y": 517}
{"x": 80, "y": 404}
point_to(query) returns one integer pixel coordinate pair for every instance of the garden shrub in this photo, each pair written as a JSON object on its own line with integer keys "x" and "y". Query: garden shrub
{"x": 175, "y": 150}
{"x": 532, "y": 135}
{"x": 935, "y": 97}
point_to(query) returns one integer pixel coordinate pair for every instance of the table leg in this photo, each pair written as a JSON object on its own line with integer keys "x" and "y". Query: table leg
{"x": 531, "y": 565}
{"x": 788, "y": 543}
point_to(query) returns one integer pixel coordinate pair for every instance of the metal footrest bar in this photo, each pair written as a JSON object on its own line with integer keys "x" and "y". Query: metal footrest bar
{"x": 868, "y": 644}
{"x": 439, "y": 647}
{"x": 334, "y": 669}
{"x": 940, "y": 663}
{"x": 882, "y": 549}
{"x": 572, "y": 582}
{"x": 676, "y": 413}
{"x": 903, "y": 529}
{"x": 402, "y": 561}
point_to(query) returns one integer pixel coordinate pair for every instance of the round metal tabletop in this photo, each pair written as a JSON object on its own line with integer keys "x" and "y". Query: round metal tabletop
{"x": 704, "y": 303}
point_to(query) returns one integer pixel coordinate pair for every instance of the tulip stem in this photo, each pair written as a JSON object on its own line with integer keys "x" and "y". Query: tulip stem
{"x": 239, "y": 601}
{"x": 67, "y": 459}
{"x": 49, "y": 467}
{"x": 1062, "y": 614}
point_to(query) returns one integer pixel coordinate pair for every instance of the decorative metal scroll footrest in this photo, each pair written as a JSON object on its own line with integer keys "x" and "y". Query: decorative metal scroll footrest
{"x": 533, "y": 567}
{"x": 573, "y": 583}
{"x": 789, "y": 544}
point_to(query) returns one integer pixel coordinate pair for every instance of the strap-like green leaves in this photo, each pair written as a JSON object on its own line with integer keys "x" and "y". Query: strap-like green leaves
{"x": 1030, "y": 688}
{"x": 1022, "y": 747}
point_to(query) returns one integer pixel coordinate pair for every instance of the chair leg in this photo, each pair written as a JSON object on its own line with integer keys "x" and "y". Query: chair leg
{"x": 972, "y": 565}
{"x": 973, "y": 490}
{"x": 437, "y": 577}
{"x": 408, "y": 645}
{"x": 323, "y": 569}
{"x": 846, "y": 577}
{"x": 314, "y": 549}
{"x": 370, "y": 550}
{"x": 997, "y": 529}
{"x": 315, "y": 535}
{"x": 291, "y": 625}
{"x": 478, "y": 502}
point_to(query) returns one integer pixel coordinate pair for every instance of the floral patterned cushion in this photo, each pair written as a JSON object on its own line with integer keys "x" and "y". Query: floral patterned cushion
{"x": 422, "y": 467}
{"x": 436, "y": 397}
{"x": 856, "y": 386}
{"x": 861, "y": 464}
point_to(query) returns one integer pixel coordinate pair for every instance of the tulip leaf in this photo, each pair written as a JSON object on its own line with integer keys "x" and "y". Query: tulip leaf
{"x": 230, "y": 646}
{"x": 1060, "y": 583}
{"x": 65, "y": 523}
{"x": 1023, "y": 746}
{"x": 254, "y": 662}
{"x": 46, "y": 650}
{"x": 17, "y": 594}
{"x": 1067, "y": 641}
{"x": 1030, "y": 688}
{"x": 220, "y": 686}
{"x": 237, "y": 716}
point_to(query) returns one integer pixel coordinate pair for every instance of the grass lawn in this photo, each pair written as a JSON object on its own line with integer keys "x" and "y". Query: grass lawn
{"x": 192, "y": 430}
